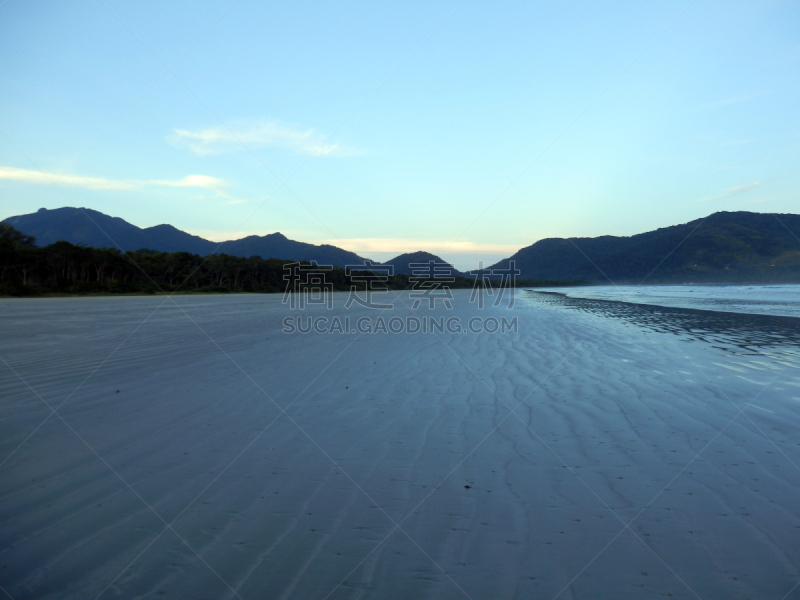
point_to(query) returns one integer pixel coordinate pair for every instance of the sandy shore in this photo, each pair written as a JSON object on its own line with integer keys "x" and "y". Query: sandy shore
{"x": 637, "y": 463}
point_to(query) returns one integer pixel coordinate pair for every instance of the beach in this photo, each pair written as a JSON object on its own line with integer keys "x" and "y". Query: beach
{"x": 189, "y": 447}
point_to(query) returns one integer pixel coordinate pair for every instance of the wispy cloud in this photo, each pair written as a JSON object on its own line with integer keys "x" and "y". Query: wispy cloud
{"x": 734, "y": 191}
{"x": 217, "y": 140}
{"x": 733, "y": 100}
{"x": 101, "y": 183}
{"x": 203, "y": 181}
{"x": 92, "y": 183}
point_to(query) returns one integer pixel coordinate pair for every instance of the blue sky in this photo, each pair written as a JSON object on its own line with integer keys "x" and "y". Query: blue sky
{"x": 469, "y": 129}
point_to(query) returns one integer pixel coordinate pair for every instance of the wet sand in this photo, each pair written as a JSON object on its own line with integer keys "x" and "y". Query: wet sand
{"x": 198, "y": 452}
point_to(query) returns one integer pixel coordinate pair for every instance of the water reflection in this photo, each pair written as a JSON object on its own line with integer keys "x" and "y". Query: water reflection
{"x": 741, "y": 333}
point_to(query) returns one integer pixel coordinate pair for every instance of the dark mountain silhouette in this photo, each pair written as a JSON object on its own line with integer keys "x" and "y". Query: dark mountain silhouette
{"x": 86, "y": 226}
{"x": 98, "y": 230}
{"x": 402, "y": 264}
{"x": 277, "y": 243}
{"x": 725, "y": 247}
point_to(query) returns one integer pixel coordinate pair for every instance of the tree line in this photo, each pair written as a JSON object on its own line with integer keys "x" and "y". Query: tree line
{"x": 75, "y": 269}
{"x": 27, "y": 270}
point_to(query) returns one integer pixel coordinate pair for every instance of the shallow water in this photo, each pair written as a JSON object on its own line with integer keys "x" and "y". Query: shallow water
{"x": 779, "y": 300}
{"x": 738, "y": 332}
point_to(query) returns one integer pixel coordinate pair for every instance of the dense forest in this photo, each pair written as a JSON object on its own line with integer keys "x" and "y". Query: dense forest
{"x": 64, "y": 268}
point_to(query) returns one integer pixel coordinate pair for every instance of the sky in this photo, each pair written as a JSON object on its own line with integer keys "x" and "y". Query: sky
{"x": 467, "y": 129}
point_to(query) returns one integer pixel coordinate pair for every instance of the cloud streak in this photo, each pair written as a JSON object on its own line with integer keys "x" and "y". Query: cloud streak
{"x": 733, "y": 100}
{"x": 734, "y": 191}
{"x": 100, "y": 183}
{"x": 218, "y": 140}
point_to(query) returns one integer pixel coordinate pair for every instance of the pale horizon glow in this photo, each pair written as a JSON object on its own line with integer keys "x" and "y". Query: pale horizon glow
{"x": 213, "y": 235}
{"x": 366, "y": 245}
{"x": 403, "y": 246}
{"x": 461, "y": 254}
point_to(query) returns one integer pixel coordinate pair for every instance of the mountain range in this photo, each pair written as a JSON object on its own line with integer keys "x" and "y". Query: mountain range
{"x": 98, "y": 230}
{"x": 725, "y": 247}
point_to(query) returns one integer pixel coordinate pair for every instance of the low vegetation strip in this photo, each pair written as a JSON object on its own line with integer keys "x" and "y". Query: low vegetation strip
{"x": 64, "y": 268}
